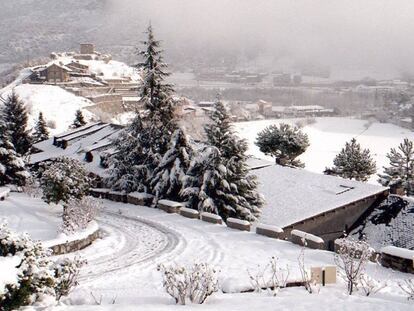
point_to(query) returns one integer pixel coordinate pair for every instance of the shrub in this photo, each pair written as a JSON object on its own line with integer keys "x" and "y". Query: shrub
{"x": 63, "y": 180}
{"x": 271, "y": 278}
{"x": 79, "y": 213}
{"x": 195, "y": 284}
{"x": 37, "y": 274}
{"x": 351, "y": 260}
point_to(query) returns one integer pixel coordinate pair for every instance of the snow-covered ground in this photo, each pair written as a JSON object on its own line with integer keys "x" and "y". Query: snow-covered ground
{"x": 31, "y": 215}
{"x": 123, "y": 264}
{"x": 56, "y": 104}
{"x": 328, "y": 136}
{"x": 135, "y": 284}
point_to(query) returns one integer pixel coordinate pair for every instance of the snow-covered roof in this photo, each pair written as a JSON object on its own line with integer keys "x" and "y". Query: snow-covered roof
{"x": 94, "y": 139}
{"x": 293, "y": 195}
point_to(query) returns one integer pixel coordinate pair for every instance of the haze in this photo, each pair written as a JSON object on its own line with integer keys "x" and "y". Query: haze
{"x": 354, "y": 38}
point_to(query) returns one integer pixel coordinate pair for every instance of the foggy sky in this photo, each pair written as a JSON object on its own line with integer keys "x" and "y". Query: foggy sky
{"x": 375, "y": 36}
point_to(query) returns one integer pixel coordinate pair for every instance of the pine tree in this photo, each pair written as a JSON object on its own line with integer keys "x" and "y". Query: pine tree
{"x": 41, "y": 132}
{"x": 15, "y": 117}
{"x": 401, "y": 167}
{"x": 284, "y": 142}
{"x": 223, "y": 164}
{"x": 206, "y": 185}
{"x": 133, "y": 166}
{"x": 79, "y": 119}
{"x": 12, "y": 170}
{"x": 353, "y": 162}
{"x": 168, "y": 177}
{"x": 156, "y": 94}
{"x": 128, "y": 165}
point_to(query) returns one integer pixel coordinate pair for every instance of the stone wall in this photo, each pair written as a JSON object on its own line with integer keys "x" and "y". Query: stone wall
{"x": 398, "y": 259}
{"x": 331, "y": 225}
{"x": 76, "y": 245}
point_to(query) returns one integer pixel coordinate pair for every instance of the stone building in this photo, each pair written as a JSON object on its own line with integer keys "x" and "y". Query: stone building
{"x": 56, "y": 73}
{"x": 326, "y": 206}
{"x": 87, "y": 48}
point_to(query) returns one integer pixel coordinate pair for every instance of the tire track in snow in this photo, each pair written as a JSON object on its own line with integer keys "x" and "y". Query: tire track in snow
{"x": 143, "y": 241}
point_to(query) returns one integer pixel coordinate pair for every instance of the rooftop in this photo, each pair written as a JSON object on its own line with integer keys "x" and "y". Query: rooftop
{"x": 293, "y": 195}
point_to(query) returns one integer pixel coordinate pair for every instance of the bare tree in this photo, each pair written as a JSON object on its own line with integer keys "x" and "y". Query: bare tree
{"x": 351, "y": 260}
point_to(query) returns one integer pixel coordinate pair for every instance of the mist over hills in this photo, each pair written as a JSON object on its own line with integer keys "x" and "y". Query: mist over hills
{"x": 353, "y": 39}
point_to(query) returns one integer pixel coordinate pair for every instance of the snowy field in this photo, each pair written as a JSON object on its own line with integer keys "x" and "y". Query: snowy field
{"x": 122, "y": 266}
{"x": 328, "y": 136}
{"x": 56, "y": 104}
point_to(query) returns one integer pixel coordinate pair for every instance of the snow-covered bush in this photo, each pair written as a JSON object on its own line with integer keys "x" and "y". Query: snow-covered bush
{"x": 371, "y": 286}
{"x": 78, "y": 213}
{"x": 63, "y": 180}
{"x": 408, "y": 288}
{"x": 196, "y": 284}
{"x": 351, "y": 259}
{"x": 66, "y": 276}
{"x": 37, "y": 275}
{"x": 272, "y": 277}
{"x": 32, "y": 188}
{"x": 284, "y": 142}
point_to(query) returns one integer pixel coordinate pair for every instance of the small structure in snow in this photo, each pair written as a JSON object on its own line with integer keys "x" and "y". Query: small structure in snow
{"x": 211, "y": 218}
{"x": 238, "y": 224}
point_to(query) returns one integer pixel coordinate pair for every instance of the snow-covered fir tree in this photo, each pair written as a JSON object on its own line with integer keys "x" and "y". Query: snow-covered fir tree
{"x": 284, "y": 142}
{"x": 206, "y": 186}
{"x": 64, "y": 179}
{"x": 353, "y": 162}
{"x": 401, "y": 169}
{"x": 128, "y": 165}
{"x": 12, "y": 167}
{"x": 41, "y": 132}
{"x": 15, "y": 117}
{"x": 223, "y": 165}
{"x": 140, "y": 151}
{"x": 156, "y": 95}
{"x": 169, "y": 175}
{"x": 79, "y": 119}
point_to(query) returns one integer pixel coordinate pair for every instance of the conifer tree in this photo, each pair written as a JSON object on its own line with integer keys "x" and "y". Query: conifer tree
{"x": 133, "y": 166}
{"x": 401, "y": 167}
{"x": 128, "y": 170}
{"x": 41, "y": 132}
{"x": 353, "y": 162}
{"x": 223, "y": 164}
{"x": 15, "y": 118}
{"x": 206, "y": 185}
{"x": 12, "y": 169}
{"x": 168, "y": 177}
{"x": 284, "y": 142}
{"x": 156, "y": 95}
{"x": 79, "y": 119}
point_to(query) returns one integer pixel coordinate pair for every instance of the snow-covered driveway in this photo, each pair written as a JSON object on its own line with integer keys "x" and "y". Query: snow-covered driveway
{"x": 127, "y": 241}
{"x": 123, "y": 265}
